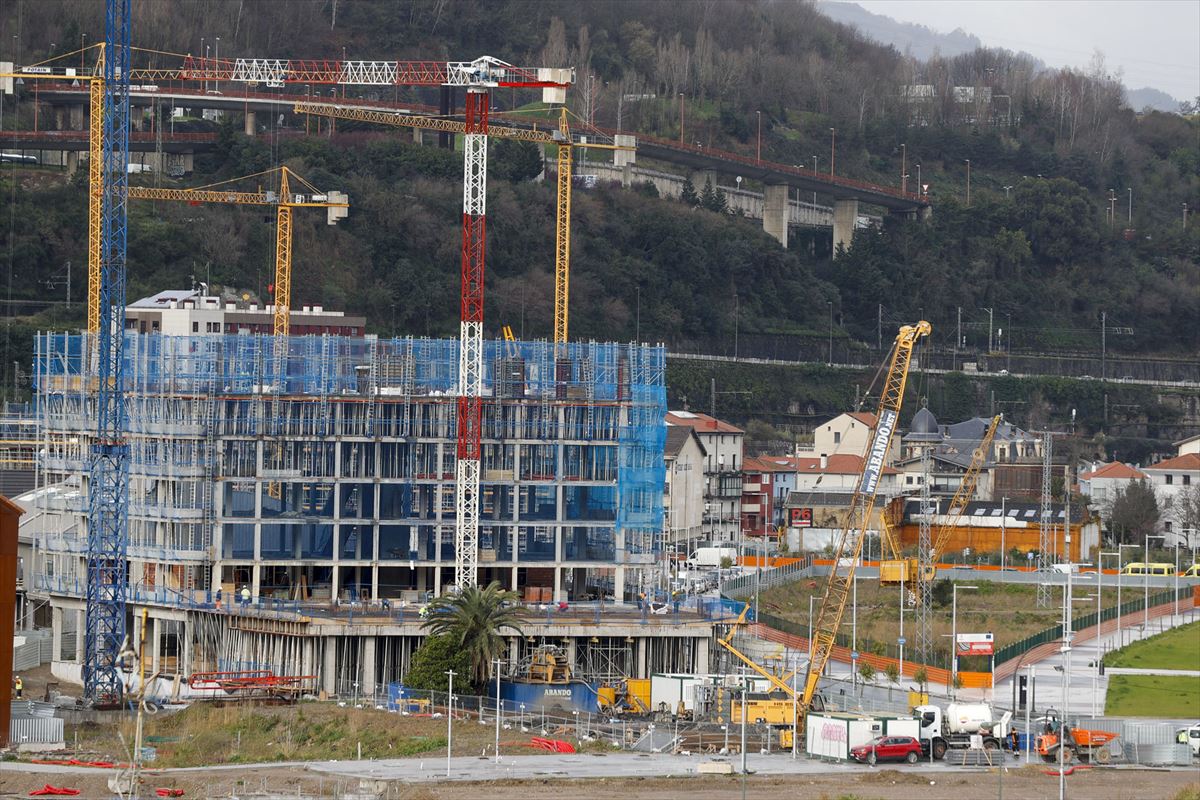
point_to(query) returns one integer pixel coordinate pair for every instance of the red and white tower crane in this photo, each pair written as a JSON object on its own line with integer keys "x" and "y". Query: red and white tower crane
{"x": 477, "y": 77}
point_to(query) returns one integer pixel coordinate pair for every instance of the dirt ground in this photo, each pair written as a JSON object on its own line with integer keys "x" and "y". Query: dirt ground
{"x": 886, "y": 784}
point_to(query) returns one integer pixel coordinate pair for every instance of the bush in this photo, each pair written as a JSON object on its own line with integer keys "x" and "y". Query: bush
{"x": 436, "y": 656}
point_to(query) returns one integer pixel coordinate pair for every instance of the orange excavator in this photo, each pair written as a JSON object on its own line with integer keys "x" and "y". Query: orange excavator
{"x": 1086, "y": 745}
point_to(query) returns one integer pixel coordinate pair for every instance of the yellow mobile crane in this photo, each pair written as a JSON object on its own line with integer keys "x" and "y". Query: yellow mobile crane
{"x": 566, "y": 147}
{"x": 858, "y": 518}
{"x": 284, "y": 201}
{"x": 849, "y": 546}
{"x": 897, "y": 569}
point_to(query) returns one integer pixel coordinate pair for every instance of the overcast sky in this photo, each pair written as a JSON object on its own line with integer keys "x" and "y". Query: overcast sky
{"x": 1155, "y": 42}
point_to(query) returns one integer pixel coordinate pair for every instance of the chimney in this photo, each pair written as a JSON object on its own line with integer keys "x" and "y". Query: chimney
{"x": 824, "y": 461}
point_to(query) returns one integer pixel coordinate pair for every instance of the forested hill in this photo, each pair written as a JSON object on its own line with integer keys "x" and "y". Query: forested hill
{"x": 1037, "y": 243}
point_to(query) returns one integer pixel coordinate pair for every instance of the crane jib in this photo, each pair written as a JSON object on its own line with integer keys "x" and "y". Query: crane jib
{"x": 879, "y": 446}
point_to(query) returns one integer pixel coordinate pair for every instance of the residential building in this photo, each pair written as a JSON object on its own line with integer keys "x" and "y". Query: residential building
{"x": 723, "y": 447}
{"x": 849, "y": 433}
{"x": 683, "y": 501}
{"x": 1187, "y": 446}
{"x": 191, "y": 311}
{"x": 1102, "y": 482}
{"x": 1012, "y": 461}
{"x": 1176, "y": 482}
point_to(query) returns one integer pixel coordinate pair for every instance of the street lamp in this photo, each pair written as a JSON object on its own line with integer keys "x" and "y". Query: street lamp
{"x": 920, "y": 191}
{"x": 904, "y": 168}
{"x": 1131, "y": 206}
{"x": 968, "y": 181}
{"x": 1146, "y": 582}
{"x": 954, "y": 632}
{"x": 833, "y": 149}
{"x": 681, "y": 117}
{"x": 449, "y": 719}
{"x": 830, "y": 302}
{"x": 1120, "y": 569}
{"x": 758, "y": 149}
{"x": 1006, "y": 191}
{"x": 814, "y": 172}
{"x": 498, "y": 662}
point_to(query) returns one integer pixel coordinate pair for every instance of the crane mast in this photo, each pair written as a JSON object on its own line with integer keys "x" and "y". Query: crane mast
{"x": 108, "y": 475}
{"x": 858, "y": 517}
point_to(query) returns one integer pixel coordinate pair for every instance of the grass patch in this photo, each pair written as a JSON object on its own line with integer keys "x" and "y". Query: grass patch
{"x": 204, "y": 734}
{"x": 1152, "y": 696}
{"x": 1178, "y": 648}
{"x": 1008, "y": 610}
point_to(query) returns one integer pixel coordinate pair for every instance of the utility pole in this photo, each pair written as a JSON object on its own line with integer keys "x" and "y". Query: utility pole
{"x": 968, "y": 182}
{"x": 449, "y": 720}
{"x": 1131, "y": 206}
{"x": 879, "y": 329}
{"x": 1103, "y": 345}
{"x": 958, "y": 337}
{"x": 904, "y": 168}
{"x": 833, "y": 149}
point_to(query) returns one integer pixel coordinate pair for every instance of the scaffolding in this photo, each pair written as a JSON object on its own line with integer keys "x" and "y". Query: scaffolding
{"x": 304, "y": 456}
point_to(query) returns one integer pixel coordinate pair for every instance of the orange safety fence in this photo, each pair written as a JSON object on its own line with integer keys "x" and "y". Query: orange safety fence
{"x": 880, "y": 663}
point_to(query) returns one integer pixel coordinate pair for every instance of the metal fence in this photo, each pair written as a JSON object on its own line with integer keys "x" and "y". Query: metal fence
{"x": 744, "y": 586}
{"x": 34, "y": 652}
{"x": 1055, "y": 632}
{"x": 35, "y": 730}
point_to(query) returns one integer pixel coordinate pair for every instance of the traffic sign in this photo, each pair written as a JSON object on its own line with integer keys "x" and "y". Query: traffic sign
{"x": 901, "y": 640}
{"x": 854, "y": 655}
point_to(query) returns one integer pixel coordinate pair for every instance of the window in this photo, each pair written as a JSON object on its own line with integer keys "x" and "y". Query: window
{"x": 1170, "y": 479}
{"x": 195, "y": 327}
{"x": 908, "y": 479}
{"x": 837, "y": 437}
{"x": 1187, "y": 480}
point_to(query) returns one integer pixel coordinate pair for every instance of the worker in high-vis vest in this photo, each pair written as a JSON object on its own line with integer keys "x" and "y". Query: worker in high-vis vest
{"x": 19, "y": 686}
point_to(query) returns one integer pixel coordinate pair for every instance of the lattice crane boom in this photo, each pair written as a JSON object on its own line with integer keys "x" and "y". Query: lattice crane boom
{"x": 858, "y": 517}
{"x": 284, "y": 201}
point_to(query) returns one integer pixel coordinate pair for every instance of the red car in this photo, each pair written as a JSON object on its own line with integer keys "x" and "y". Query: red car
{"x": 888, "y": 748}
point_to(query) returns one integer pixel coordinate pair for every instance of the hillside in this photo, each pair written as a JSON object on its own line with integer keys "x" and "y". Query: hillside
{"x": 1036, "y": 244}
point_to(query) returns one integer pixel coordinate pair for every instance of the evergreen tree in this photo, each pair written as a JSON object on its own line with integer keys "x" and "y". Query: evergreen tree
{"x": 721, "y": 201}
{"x": 688, "y": 196}
{"x": 708, "y": 198}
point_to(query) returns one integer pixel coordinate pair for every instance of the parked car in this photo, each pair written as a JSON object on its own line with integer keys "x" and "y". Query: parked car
{"x": 888, "y": 748}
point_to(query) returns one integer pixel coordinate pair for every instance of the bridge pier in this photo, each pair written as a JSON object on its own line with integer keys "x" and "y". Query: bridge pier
{"x": 776, "y": 212}
{"x": 625, "y": 159}
{"x": 72, "y": 161}
{"x": 845, "y": 217}
{"x": 250, "y": 123}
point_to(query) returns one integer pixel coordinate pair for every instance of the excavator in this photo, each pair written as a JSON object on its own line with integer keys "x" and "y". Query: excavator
{"x": 785, "y": 702}
{"x": 897, "y": 569}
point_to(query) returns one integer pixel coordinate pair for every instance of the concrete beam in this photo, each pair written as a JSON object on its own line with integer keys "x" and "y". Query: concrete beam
{"x": 845, "y": 217}
{"x": 776, "y": 212}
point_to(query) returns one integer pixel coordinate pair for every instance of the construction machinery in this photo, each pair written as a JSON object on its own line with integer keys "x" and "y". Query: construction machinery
{"x": 955, "y": 725}
{"x": 1075, "y": 743}
{"x": 561, "y": 138}
{"x": 848, "y": 546}
{"x": 285, "y": 200}
{"x": 897, "y": 569}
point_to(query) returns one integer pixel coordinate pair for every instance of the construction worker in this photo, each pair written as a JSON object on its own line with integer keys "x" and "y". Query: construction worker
{"x": 245, "y": 595}
{"x": 18, "y": 686}
{"x": 641, "y": 601}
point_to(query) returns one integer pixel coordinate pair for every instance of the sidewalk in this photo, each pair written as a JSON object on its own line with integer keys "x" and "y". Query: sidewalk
{"x": 1086, "y": 688}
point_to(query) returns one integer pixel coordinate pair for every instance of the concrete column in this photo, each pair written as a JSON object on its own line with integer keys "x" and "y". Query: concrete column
{"x": 845, "y": 216}
{"x": 76, "y": 118}
{"x": 925, "y": 213}
{"x": 329, "y": 667}
{"x": 572, "y": 653}
{"x": 56, "y": 629}
{"x": 703, "y": 176}
{"x": 775, "y": 212}
{"x": 367, "y": 685}
{"x": 72, "y": 161}
{"x": 623, "y": 158}
{"x": 513, "y": 586}
{"x": 619, "y": 584}
{"x": 375, "y": 582}
{"x": 702, "y": 647}
{"x": 80, "y": 634}
{"x": 153, "y": 639}
{"x": 437, "y": 577}
{"x": 642, "y": 648}
{"x": 558, "y": 584}
{"x": 250, "y": 126}
{"x": 335, "y": 583}
{"x": 417, "y": 137}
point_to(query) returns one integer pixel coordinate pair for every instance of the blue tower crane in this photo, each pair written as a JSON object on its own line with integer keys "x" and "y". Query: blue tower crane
{"x": 108, "y": 488}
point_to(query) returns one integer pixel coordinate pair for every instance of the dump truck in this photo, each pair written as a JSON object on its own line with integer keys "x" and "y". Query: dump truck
{"x": 956, "y": 724}
{"x": 1076, "y": 743}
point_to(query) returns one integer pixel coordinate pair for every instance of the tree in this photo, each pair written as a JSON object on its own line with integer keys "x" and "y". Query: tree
{"x": 688, "y": 194}
{"x": 473, "y": 619}
{"x": 517, "y": 161}
{"x": 892, "y": 673}
{"x": 866, "y": 672}
{"x": 436, "y": 656}
{"x": 921, "y": 676}
{"x": 708, "y": 196}
{"x": 1133, "y": 513}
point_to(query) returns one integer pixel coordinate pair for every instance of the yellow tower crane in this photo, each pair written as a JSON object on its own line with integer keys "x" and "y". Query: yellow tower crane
{"x": 284, "y": 201}
{"x": 560, "y": 137}
{"x": 95, "y": 82}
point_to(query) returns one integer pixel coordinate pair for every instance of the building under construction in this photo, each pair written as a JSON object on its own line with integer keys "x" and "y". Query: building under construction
{"x": 315, "y": 475}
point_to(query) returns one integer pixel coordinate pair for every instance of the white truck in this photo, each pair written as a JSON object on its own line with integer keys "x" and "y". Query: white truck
{"x": 958, "y": 723}
{"x": 710, "y": 557}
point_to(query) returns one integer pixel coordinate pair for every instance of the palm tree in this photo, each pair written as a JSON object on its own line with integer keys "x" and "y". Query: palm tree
{"x": 474, "y": 619}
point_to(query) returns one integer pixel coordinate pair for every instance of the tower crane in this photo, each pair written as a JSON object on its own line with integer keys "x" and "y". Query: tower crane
{"x": 566, "y": 146}
{"x": 284, "y": 200}
{"x": 108, "y": 478}
{"x": 858, "y": 517}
